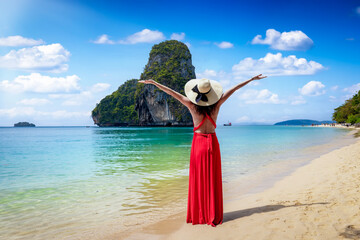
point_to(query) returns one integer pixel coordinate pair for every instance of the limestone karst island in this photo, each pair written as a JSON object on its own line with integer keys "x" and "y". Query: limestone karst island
{"x": 24, "y": 124}
{"x": 135, "y": 104}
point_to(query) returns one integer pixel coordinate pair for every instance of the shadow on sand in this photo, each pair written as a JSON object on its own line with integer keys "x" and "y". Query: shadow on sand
{"x": 229, "y": 216}
{"x": 351, "y": 232}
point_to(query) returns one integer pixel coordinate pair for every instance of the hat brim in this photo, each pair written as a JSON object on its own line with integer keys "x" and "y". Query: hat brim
{"x": 213, "y": 96}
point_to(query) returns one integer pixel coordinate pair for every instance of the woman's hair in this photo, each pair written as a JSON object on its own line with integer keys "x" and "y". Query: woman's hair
{"x": 205, "y": 109}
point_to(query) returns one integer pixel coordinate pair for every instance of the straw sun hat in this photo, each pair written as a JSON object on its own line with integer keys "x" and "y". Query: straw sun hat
{"x": 203, "y": 92}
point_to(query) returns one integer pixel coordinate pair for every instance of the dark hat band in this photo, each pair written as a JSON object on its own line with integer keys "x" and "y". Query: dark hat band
{"x": 200, "y": 96}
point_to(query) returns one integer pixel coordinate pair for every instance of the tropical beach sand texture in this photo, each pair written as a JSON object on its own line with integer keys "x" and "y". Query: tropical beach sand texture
{"x": 320, "y": 200}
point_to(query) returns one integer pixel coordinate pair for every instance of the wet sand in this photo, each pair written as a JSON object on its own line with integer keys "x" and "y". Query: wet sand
{"x": 319, "y": 200}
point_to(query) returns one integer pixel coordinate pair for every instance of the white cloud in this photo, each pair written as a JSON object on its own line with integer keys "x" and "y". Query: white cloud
{"x": 208, "y": 73}
{"x": 224, "y": 45}
{"x": 276, "y": 65}
{"x": 293, "y": 40}
{"x": 242, "y": 119}
{"x": 30, "y": 111}
{"x": 312, "y": 88}
{"x": 35, "y": 82}
{"x": 99, "y": 87}
{"x": 50, "y": 58}
{"x": 103, "y": 39}
{"x": 253, "y": 96}
{"x": 77, "y": 99}
{"x": 34, "y": 101}
{"x": 17, "y": 111}
{"x": 332, "y": 98}
{"x": 357, "y": 10}
{"x": 222, "y": 77}
{"x": 334, "y": 88}
{"x": 16, "y": 41}
{"x": 176, "y": 36}
{"x": 352, "y": 89}
{"x": 297, "y": 100}
{"x": 144, "y": 36}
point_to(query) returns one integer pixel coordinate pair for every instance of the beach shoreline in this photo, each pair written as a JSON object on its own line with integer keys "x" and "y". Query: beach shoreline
{"x": 280, "y": 208}
{"x": 337, "y": 125}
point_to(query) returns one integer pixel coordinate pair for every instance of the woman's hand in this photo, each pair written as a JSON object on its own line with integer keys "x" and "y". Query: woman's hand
{"x": 149, "y": 81}
{"x": 258, "y": 77}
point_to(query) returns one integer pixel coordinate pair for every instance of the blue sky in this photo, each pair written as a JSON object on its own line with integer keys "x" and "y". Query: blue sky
{"x": 59, "y": 58}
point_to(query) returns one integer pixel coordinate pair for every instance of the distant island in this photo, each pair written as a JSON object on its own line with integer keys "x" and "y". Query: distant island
{"x": 347, "y": 113}
{"x": 302, "y": 122}
{"x": 24, "y": 124}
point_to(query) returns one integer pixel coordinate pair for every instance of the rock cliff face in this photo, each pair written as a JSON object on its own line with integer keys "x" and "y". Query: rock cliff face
{"x": 145, "y": 105}
{"x": 170, "y": 64}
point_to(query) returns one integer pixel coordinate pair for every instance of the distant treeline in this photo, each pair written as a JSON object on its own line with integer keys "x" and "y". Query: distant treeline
{"x": 302, "y": 122}
{"x": 349, "y": 112}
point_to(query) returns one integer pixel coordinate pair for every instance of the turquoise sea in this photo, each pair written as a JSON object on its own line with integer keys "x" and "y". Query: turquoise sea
{"x": 68, "y": 182}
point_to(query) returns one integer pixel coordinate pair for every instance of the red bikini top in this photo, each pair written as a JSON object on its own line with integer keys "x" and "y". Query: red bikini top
{"x": 206, "y": 116}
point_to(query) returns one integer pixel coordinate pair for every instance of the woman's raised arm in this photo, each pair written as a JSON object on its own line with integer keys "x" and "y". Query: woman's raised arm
{"x": 181, "y": 98}
{"x": 229, "y": 92}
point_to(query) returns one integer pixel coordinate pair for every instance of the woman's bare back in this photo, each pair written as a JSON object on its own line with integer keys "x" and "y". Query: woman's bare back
{"x": 207, "y": 126}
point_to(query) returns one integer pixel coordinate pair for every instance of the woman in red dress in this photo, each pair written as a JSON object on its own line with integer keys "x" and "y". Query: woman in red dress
{"x": 203, "y": 99}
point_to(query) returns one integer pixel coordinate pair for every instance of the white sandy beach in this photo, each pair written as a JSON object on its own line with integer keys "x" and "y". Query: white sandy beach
{"x": 320, "y": 200}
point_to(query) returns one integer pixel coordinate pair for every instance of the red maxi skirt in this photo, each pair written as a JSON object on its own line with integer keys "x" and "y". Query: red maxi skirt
{"x": 205, "y": 197}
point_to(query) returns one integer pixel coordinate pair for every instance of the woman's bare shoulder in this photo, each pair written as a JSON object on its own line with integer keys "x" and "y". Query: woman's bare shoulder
{"x": 195, "y": 115}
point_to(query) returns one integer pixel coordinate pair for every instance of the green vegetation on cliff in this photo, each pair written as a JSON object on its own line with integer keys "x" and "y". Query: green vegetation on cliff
{"x": 170, "y": 64}
{"x": 119, "y": 107}
{"x": 167, "y": 62}
{"x": 349, "y": 112}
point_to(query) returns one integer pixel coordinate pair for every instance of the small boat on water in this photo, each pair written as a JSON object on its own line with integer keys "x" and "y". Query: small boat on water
{"x": 227, "y": 124}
